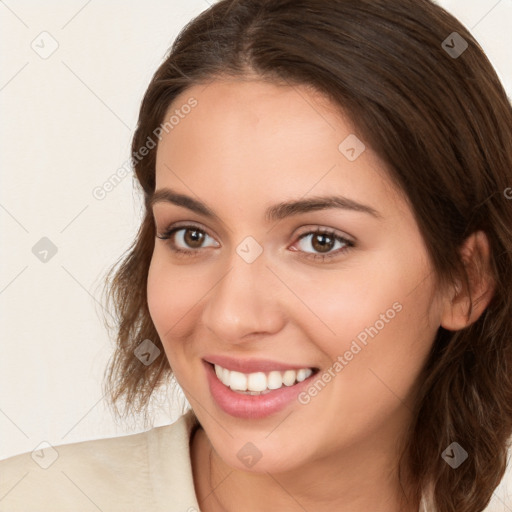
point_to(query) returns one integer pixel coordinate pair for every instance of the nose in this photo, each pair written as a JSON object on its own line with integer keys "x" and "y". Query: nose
{"x": 246, "y": 302}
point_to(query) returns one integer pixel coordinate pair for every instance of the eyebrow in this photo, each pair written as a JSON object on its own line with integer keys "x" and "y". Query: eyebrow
{"x": 273, "y": 213}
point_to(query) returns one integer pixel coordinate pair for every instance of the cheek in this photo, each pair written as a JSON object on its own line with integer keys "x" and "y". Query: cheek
{"x": 382, "y": 377}
{"x": 376, "y": 319}
{"x": 171, "y": 295}
{"x": 171, "y": 298}
{"x": 375, "y": 361}
{"x": 336, "y": 306}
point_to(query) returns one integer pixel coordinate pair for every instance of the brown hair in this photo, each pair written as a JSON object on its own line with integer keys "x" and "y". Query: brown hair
{"x": 443, "y": 125}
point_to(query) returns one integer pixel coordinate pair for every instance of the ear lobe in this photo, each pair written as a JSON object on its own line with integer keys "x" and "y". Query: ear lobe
{"x": 457, "y": 311}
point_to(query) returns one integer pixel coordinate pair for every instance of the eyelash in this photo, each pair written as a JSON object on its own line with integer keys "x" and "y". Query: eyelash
{"x": 169, "y": 232}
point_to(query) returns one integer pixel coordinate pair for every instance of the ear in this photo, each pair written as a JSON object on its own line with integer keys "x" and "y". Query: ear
{"x": 475, "y": 253}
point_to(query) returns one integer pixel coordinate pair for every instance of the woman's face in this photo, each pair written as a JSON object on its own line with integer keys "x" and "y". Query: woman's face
{"x": 254, "y": 294}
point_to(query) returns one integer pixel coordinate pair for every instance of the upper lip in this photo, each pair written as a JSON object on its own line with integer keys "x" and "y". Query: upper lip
{"x": 252, "y": 365}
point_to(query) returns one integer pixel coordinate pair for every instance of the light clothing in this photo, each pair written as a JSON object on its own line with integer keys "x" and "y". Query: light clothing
{"x": 146, "y": 472}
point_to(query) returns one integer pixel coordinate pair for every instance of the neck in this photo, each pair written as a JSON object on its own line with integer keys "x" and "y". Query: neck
{"x": 352, "y": 486}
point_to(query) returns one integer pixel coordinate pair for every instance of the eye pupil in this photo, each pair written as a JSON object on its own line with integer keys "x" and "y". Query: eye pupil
{"x": 323, "y": 246}
{"x": 195, "y": 238}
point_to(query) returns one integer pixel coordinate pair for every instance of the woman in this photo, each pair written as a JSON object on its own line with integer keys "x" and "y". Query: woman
{"x": 324, "y": 266}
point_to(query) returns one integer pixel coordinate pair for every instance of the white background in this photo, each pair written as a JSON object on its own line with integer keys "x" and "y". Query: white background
{"x": 67, "y": 122}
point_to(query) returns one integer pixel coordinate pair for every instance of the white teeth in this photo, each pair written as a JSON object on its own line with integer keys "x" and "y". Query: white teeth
{"x": 274, "y": 380}
{"x": 289, "y": 377}
{"x": 237, "y": 381}
{"x": 259, "y": 382}
{"x": 302, "y": 374}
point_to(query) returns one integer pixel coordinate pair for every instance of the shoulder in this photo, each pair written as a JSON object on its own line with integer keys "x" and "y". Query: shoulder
{"x": 134, "y": 472}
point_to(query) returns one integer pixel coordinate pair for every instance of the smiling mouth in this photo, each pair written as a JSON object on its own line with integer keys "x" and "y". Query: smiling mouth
{"x": 260, "y": 383}
{"x": 261, "y": 392}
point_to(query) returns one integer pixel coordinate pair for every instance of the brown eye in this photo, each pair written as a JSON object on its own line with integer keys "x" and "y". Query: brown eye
{"x": 323, "y": 242}
{"x": 186, "y": 239}
{"x": 193, "y": 238}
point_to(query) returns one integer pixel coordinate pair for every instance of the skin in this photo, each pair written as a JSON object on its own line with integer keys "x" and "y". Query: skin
{"x": 249, "y": 144}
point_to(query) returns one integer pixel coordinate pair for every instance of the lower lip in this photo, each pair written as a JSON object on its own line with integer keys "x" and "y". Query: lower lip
{"x": 252, "y": 406}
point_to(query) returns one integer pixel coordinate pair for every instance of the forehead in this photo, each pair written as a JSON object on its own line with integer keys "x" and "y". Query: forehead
{"x": 251, "y": 137}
